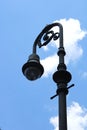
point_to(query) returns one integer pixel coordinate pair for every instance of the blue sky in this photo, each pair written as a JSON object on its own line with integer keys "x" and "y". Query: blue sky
{"x": 25, "y": 104}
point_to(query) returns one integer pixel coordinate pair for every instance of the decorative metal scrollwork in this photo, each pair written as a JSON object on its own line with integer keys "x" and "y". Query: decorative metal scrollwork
{"x": 47, "y": 35}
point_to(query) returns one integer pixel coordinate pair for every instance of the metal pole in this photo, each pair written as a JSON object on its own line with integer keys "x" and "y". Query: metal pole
{"x": 62, "y": 77}
{"x": 62, "y": 87}
{"x": 62, "y": 110}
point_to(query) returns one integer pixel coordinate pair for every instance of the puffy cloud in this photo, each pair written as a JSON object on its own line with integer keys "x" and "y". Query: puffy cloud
{"x": 76, "y": 118}
{"x": 72, "y": 34}
{"x": 50, "y": 64}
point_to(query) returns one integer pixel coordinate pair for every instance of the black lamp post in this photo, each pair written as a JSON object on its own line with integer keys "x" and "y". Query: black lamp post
{"x": 34, "y": 70}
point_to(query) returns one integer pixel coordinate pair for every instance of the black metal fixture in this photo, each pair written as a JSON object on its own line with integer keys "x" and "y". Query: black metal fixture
{"x": 34, "y": 70}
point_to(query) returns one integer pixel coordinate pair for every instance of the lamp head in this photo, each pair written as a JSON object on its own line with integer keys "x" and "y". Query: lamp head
{"x": 33, "y": 70}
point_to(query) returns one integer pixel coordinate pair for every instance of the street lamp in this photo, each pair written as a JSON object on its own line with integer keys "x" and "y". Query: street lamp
{"x": 33, "y": 70}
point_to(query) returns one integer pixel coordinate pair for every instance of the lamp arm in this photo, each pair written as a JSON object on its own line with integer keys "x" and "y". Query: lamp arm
{"x": 47, "y": 34}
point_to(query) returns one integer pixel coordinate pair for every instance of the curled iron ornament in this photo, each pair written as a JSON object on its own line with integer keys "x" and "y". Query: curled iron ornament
{"x": 47, "y": 35}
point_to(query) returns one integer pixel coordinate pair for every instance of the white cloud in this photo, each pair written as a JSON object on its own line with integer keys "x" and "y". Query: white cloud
{"x": 76, "y": 118}
{"x": 50, "y": 64}
{"x": 72, "y": 34}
